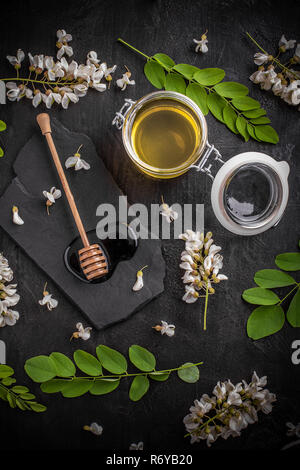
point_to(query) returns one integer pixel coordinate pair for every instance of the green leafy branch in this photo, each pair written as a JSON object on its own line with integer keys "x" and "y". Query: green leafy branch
{"x": 57, "y": 373}
{"x": 17, "y": 395}
{"x": 227, "y": 101}
{"x": 269, "y": 317}
{"x": 2, "y": 128}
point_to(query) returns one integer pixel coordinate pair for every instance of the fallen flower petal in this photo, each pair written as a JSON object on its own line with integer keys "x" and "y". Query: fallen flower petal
{"x": 139, "y": 283}
{"x": 83, "y": 333}
{"x": 16, "y": 218}
{"x": 94, "y": 428}
{"x": 165, "y": 328}
{"x": 48, "y": 300}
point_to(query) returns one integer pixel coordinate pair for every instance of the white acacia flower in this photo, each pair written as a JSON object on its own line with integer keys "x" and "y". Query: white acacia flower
{"x": 94, "y": 428}
{"x": 201, "y": 44}
{"x": 270, "y": 77}
{"x": 284, "y": 44}
{"x": 258, "y": 76}
{"x": 38, "y": 98}
{"x": 6, "y": 273}
{"x": 80, "y": 89}
{"x": 167, "y": 212}
{"x": 293, "y": 430}
{"x": 278, "y": 88}
{"x": 62, "y": 43}
{"x": 107, "y": 71}
{"x": 191, "y": 295}
{"x": 8, "y": 297}
{"x": 83, "y": 333}
{"x": 297, "y": 53}
{"x": 9, "y": 318}
{"x": 16, "y": 218}
{"x": 260, "y": 58}
{"x": 36, "y": 61}
{"x": 48, "y": 300}
{"x": 17, "y": 59}
{"x": 51, "y": 197}
{"x": 92, "y": 58}
{"x": 139, "y": 283}
{"x": 138, "y": 446}
{"x": 62, "y": 36}
{"x": 67, "y": 96}
{"x": 165, "y": 328}
{"x": 50, "y": 97}
{"x": 75, "y": 161}
{"x": 54, "y": 69}
{"x": 125, "y": 80}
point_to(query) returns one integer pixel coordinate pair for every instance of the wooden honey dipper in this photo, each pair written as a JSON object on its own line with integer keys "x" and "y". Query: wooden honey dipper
{"x": 92, "y": 260}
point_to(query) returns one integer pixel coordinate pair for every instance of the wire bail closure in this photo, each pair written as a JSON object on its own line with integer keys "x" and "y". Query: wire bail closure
{"x": 201, "y": 165}
{"x": 119, "y": 118}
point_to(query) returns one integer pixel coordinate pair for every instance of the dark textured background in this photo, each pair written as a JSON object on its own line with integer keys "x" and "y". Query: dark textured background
{"x": 154, "y": 26}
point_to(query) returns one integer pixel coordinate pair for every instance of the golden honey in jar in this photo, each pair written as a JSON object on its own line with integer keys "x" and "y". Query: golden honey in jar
{"x": 165, "y": 134}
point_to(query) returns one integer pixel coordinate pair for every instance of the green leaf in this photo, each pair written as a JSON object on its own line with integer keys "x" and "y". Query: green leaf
{"x": 103, "y": 386}
{"x": 1, "y": 152}
{"x": 37, "y": 407}
{"x": 175, "y": 83}
{"x": 27, "y": 396}
{"x": 255, "y": 113}
{"x": 260, "y": 120}
{"x": 11, "y": 400}
{"x": 216, "y": 104}
{"x": 20, "y": 389}
{"x": 5, "y": 371}
{"x": 54, "y": 385}
{"x": 230, "y": 117}
{"x": 111, "y": 360}
{"x": 142, "y": 358}
{"x": 271, "y": 278}
{"x": 231, "y": 89}
{"x": 186, "y": 70}
{"x": 209, "y": 76}
{"x": 293, "y": 313}
{"x": 160, "y": 376}
{"x": 64, "y": 366}
{"x": 40, "y": 368}
{"x": 241, "y": 125}
{"x": 198, "y": 94}
{"x": 21, "y": 405}
{"x": 260, "y": 296}
{"x": 3, "y": 394}
{"x": 164, "y": 59}
{"x": 76, "y": 387}
{"x": 8, "y": 381}
{"x": 87, "y": 363}
{"x": 244, "y": 103}
{"x": 266, "y": 134}
{"x": 288, "y": 261}
{"x": 265, "y": 321}
{"x": 189, "y": 374}
{"x": 155, "y": 74}
{"x": 2, "y": 126}
{"x": 250, "y": 129}
{"x": 139, "y": 387}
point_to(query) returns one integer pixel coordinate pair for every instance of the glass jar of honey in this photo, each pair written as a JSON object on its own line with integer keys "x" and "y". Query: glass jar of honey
{"x": 165, "y": 134}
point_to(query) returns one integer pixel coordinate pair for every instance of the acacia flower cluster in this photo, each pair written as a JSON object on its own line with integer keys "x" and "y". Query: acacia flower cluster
{"x": 201, "y": 262}
{"x": 57, "y": 81}
{"x": 8, "y": 295}
{"x": 229, "y": 410}
{"x": 282, "y": 79}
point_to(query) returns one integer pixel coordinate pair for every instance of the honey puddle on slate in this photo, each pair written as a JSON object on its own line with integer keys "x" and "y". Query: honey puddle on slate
{"x": 165, "y": 134}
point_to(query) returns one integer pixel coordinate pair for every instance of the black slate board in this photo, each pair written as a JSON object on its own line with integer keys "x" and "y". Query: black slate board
{"x": 45, "y": 238}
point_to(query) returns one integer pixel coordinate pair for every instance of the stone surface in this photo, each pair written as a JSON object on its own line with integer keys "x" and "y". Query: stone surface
{"x": 45, "y": 237}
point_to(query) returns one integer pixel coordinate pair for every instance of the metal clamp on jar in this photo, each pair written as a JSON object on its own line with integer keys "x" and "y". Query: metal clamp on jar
{"x": 249, "y": 192}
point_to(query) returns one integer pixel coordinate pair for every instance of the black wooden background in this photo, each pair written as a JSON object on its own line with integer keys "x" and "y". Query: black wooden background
{"x": 154, "y": 26}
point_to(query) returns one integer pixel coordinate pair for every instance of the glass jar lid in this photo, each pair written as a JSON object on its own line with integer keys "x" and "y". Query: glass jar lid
{"x": 250, "y": 193}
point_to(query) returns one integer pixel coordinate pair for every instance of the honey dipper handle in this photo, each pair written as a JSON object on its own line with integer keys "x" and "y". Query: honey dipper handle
{"x": 44, "y": 123}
